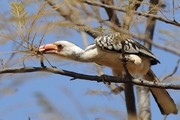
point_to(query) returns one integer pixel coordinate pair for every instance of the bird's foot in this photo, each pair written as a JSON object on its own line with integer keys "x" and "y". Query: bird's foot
{"x": 72, "y": 78}
{"x": 42, "y": 64}
{"x": 104, "y": 79}
{"x": 125, "y": 58}
{"x": 141, "y": 80}
{"x": 53, "y": 66}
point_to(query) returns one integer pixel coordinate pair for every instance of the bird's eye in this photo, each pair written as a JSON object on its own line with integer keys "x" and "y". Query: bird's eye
{"x": 59, "y": 46}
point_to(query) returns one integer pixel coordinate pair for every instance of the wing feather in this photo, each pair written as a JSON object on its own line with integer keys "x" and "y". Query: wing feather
{"x": 113, "y": 42}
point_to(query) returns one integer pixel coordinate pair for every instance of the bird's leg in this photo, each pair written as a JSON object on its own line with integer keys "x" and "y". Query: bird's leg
{"x": 41, "y": 62}
{"x": 39, "y": 54}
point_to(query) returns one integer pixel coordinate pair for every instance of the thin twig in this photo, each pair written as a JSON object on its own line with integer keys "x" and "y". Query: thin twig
{"x": 173, "y": 72}
{"x": 67, "y": 17}
{"x": 142, "y": 38}
{"x": 35, "y": 19}
{"x": 34, "y": 36}
{"x": 9, "y": 37}
{"x": 111, "y": 12}
{"x": 134, "y": 12}
{"x": 138, "y": 36}
{"x": 173, "y": 11}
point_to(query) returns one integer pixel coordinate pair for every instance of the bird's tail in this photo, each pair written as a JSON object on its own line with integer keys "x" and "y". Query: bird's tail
{"x": 163, "y": 99}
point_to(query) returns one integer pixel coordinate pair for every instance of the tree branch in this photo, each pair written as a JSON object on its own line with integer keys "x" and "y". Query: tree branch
{"x": 75, "y": 75}
{"x": 67, "y": 17}
{"x": 173, "y": 22}
{"x": 141, "y": 37}
{"x": 173, "y": 72}
{"x": 111, "y": 12}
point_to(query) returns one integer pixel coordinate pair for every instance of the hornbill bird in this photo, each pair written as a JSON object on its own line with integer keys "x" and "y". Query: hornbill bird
{"x": 107, "y": 51}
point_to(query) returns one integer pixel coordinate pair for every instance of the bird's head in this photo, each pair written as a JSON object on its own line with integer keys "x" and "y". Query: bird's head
{"x": 63, "y": 49}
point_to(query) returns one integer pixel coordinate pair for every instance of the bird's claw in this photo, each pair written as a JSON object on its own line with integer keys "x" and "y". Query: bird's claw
{"x": 72, "y": 78}
{"x": 125, "y": 59}
{"x": 53, "y": 66}
{"x": 141, "y": 80}
{"x": 43, "y": 66}
{"x": 103, "y": 78}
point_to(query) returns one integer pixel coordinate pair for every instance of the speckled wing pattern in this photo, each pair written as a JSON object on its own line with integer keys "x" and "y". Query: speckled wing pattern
{"x": 113, "y": 43}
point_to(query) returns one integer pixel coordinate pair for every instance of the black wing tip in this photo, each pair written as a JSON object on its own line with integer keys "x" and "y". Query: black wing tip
{"x": 155, "y": 61}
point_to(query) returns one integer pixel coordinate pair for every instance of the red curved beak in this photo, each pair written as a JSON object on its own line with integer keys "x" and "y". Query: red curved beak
{"x": 47, "y": 48}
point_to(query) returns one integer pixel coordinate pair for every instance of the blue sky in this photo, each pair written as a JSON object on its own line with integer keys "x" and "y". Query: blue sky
{"x": 20, "y": 94}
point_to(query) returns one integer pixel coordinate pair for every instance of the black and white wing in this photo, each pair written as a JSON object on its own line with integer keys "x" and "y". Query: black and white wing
{"x": 112, "y": 42}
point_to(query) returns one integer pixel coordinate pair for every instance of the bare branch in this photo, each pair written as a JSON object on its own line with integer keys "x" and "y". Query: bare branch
{"x": 75, "y": 75}
{"x": 143, "y": 38}
{"x": 67, "y": 17}
{"x": 138, "y": 36}
{"x": 111, "y": 12}
{"x": 136, "y": 5}
{"x": 133, "y": 6}
{"x": 134, "y": 12}
{"x": 173, "y": 72}
{"x": 151, "y": 22}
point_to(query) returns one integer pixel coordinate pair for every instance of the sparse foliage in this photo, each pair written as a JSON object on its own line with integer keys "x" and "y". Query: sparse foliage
{"x": 31, "y": 23}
